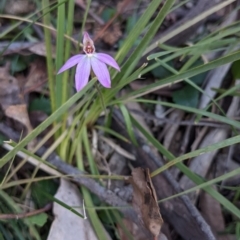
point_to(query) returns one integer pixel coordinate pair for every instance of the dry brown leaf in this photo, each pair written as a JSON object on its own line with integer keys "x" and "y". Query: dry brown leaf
{"x": 37, "y": 76}
{"x": 40, "y": 49}
{"x": 117, "y": 166}
{"x": 9, "y": 89}
{"x": 135, "y": 231}
{"x": 16, "y": 7}
{"x": 110, "y": 35}
{"x": 126, "y": 6}
{"x": 37, "y": 117}
{"x": 145, "y": 201}
{"x": 19, "y": 113}
{"x": 11, "y": 100}
{"x": 212, "y": 212}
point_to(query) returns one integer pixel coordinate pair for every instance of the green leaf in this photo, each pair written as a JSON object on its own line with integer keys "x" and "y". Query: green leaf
{"x": 131, "y": 22}
{"x": 96, "y": 223}
{"x": 60, "y": 51}
{"x": 39, "y": 219}
{"x": 1, "y": 236}
{"x": 48, "y": 44}
{"x": 70, "y": 208}
{"x": 107, "y": 14}
{"x": 48, "y": 186}
{"x": 111, "y": 132}
{"x": 28, "y": 32}
{"x": 41, "y": 104}
{"x": 236, "y": 69}
{"x": 128, "y": 122}
{"x": 2, "y": 138}
{"x": 161, "y": 72}
{"x": 199, "y": 78}
{"x": 18, "y": 64}
{"x": 2, "y": 5}
{"x": 186, "y": 96}
{"x": 238, "y": 230}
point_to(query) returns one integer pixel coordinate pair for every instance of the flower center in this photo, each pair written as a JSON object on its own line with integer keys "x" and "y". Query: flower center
{"x": 89, "y": 48}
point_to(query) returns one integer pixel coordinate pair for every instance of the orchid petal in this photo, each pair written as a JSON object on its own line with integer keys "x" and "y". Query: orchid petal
{"x": 88, "y": 45}
{"x": 107, "y": 59}
{"x": 82, "y": 73}
{"x": 71, "y": 62}
{"x": 101, "y": 72}
{"x": 87, "y": 39}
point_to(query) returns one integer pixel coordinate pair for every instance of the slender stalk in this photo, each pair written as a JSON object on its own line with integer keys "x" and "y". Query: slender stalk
{"x": 60, "y": 51}
{"x": 65, "y": 76}
{"x": 47, "y": 37}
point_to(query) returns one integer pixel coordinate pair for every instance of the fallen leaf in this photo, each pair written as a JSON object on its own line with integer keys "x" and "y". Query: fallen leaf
{"x": 9, "y": 47}
{"x": 11, "y": 100}
{"x": 39, "y": 219}
{"x": 9, "y": 89}
{"x": 19, "y": 113}
{"x": 212, "y": 213}
{"x": 17, "y": 7}
{"x": 37, "y": 117}
{"x": 40, "y": 49}
{"x": 137, "y": 234}
{"x": 126, "y": 6}
{"x": 112, "y": 34}
{"x": 117, "y": 166}
{"x": 37, "y": 76}
{"x": 145, "y": 201}
{"x": 67, "y": 225}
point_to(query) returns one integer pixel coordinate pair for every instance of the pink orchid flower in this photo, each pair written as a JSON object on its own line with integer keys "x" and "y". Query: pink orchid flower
{"x": 84, "y": 62}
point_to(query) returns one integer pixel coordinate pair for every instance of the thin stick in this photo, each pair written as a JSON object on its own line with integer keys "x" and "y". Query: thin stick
{"x": 27, "y": 214}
